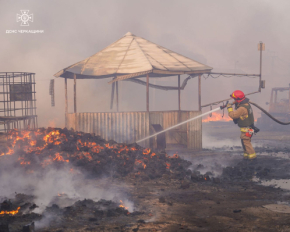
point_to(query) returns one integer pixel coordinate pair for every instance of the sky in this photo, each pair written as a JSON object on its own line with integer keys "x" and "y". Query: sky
{"x": 222, "y": 34}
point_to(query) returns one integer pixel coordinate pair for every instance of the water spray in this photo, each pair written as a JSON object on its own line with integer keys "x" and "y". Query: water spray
{"x": 179, "y": 124}
{"x": 209, "y": 112}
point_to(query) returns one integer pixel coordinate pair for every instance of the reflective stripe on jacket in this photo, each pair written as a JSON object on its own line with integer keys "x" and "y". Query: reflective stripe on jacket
{"x": 243, "y": 114}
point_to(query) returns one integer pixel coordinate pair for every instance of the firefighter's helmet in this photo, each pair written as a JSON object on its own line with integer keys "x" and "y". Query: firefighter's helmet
{"x": 238, "y": 95}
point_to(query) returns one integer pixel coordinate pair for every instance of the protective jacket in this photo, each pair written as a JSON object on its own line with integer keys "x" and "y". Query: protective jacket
{"x": 243, "y": 114}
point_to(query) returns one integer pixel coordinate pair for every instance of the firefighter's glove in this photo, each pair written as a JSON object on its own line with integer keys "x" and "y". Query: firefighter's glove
{"x": 229, "y": 107}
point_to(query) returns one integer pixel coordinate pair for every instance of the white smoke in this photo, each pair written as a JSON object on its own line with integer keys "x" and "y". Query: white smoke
{"x": 58, "y": 186}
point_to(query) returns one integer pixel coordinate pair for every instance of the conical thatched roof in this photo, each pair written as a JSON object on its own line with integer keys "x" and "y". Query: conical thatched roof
{"x": 133, "y": 56}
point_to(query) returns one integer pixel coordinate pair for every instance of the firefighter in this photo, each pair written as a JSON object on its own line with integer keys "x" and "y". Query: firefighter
{"x": 243, "y": 116}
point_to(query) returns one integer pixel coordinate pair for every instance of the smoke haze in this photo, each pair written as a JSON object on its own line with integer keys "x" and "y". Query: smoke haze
{"x": 58, "y": 186}
{"x": 222, "y": 34}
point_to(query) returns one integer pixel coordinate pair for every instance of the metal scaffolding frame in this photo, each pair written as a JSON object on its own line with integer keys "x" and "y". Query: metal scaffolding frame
{"x": 17, "y": 101}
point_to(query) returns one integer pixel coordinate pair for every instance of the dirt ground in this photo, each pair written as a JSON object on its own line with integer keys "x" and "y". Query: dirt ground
{"x": 223, "y": 192}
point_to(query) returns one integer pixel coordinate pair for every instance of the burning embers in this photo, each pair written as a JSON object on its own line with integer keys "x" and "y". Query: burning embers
{"x": 13, "y": 212}
{"x": 42, "y": 148}
{"x": 6, "y": 208}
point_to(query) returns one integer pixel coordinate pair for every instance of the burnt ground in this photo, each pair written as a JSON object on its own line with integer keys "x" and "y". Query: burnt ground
{"x": 222, "y": 192}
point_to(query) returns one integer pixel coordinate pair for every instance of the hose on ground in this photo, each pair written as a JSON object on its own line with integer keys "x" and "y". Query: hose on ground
{"x": 269, "y": 115}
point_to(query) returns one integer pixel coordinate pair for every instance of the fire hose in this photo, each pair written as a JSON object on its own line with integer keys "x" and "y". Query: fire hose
{"x": 269, "y": 115}
{"x": 263, "y": 110}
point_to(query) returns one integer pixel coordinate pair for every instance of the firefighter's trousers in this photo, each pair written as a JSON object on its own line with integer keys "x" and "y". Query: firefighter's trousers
{"x": 247, "y": 146}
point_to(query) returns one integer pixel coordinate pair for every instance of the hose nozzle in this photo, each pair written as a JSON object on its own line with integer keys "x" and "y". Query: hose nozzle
{"x": 224, "y": 106}
{"x": 227, "y": 103}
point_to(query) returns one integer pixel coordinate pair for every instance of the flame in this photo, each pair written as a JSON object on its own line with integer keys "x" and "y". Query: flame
{"x": 175, "y": 156}
{"x": 9, "y": 152}
{"x": 32, "y": 143}
{"x": 140, "y": 162}
{"x": 58, "y": 157}
{"x": 88, "y": 156}
{"x": 36, "y": 141}
{"x": 146, "y": 151}
{"x": 107, "y": 145}
{"x": 23, "y": 162}
{"x": 122, "y": 205}
{"x": 217, "y": 117}
{"x": 10, "y": 212}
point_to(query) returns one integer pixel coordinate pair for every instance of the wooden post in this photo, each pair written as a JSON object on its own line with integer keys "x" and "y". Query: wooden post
{"x": 75, "y": 93}
{"x": 199, "y": 92}
{"x": 117, "y": 95}
{"x": 65, "y": 96}
{"x": 147, "y": 92}
{"x": 179, "y": 108}
{"x": 112, "y": 95}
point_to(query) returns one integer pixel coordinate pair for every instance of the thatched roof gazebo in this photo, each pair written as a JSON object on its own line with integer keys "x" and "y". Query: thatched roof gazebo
{"x": 131, "y": 58}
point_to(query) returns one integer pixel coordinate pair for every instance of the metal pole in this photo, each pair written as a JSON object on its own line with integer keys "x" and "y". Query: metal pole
{"x": 289, "y": 95}
{"x": 14, "y": 100}
{"x": 260, "y": 78}
{"x": 199, "y": 92}
{"x": 271, "y": 101}
{"x": 147, "y": 92}
{"x": 214, "y": 103}
{"x": 75, "y": 93}
{"x": 36, "y": 121}
{"x": 179, "y": 108}
{"x": 65, "y": 96}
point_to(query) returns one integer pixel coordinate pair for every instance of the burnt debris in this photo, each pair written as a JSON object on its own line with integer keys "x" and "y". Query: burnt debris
{"x": 37, "y": 149}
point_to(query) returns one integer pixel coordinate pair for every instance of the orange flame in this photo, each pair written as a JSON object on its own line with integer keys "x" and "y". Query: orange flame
{"x": 32, "y": 143}
{"x": 58, "y": 157}
{"x": 217, "y": 117}
{"x": 122, "y": 205}
{"x": 146, "y": 151}
{"x": 23, "y": 162}
{"x": 85, "y": 149}
{"x": 175, "y": 156}
{"x": 10, "y": 212}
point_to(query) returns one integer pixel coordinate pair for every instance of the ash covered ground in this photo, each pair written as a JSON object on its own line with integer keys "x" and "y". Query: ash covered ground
{"x": 60, "y": 180}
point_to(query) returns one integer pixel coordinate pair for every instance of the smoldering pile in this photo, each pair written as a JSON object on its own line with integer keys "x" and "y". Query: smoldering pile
{"x": 17, "y": 214}
{"x": 37, "y": 153}
{"x": 34, "y": 150}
